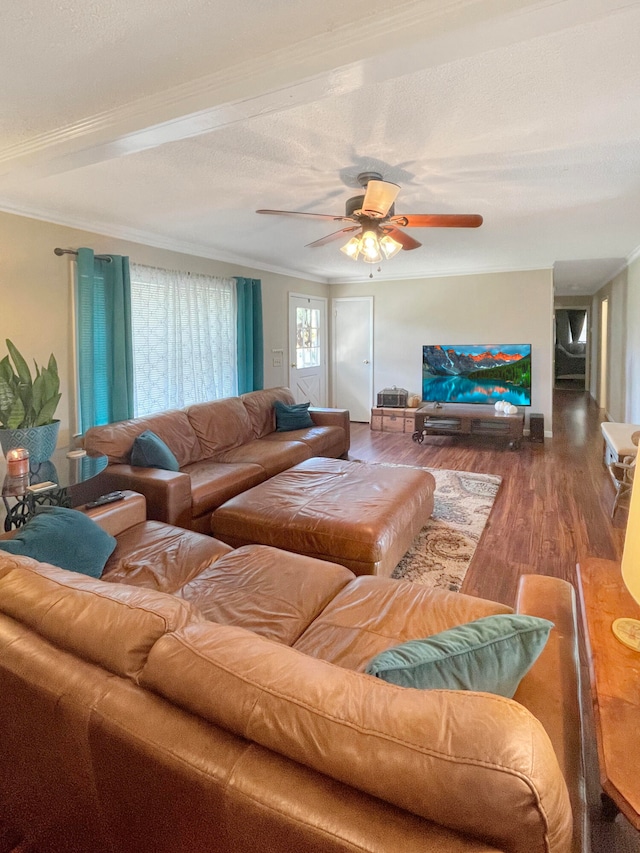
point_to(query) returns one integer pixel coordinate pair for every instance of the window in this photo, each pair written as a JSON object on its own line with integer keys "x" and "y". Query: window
{"x": 582, "y": 337}
{"x": 184, "y": 338}
{"x": 307, "y": 340}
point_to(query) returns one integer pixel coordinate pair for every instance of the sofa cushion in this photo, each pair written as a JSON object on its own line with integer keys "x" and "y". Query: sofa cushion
{"x": 373, "y": 614}
{"x": 161, "y": 557}
{"x": 292, "y": 416}
{"x": 273, "y": 456}
{"x": 491, "y": 654}
{"x": 150, "y": 451}
{"x": 321, "y": 440}
{"x": 417, "y": 749}
{"x": 174, "y": 428}
{"x": 65, "y": 538}
{"x": 113, "y": 625}
{"x": 220, "y": 425}
{"x": 259, "y": 406}
{"x": 213, "y": 483}
{"x": 271, "y": 592}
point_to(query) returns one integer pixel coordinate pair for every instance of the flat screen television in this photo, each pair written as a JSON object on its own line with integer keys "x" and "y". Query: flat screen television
{"x": 460, "y": 373}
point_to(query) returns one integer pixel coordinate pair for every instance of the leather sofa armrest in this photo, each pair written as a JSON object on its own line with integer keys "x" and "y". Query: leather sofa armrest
{"x": 552, "y": 689}
{"x": 117, "y": 517}
{"x": 332, "y": 417}
{"x": 114, "y": 518}
{"x": 168, "y": 493}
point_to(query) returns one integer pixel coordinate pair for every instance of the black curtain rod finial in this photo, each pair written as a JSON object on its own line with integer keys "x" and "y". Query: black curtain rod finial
{"x": 61, "y": 252}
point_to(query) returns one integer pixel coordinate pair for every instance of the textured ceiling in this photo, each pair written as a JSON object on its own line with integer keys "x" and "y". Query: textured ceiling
{"x": 170, "y": 123}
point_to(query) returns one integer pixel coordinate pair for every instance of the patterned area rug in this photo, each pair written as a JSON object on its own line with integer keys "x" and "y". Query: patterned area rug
{"x": 441, "y": 554}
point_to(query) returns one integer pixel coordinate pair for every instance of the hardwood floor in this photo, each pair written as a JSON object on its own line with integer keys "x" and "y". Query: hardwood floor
{"x": 553, "y": 510}
{"x": 553, "y": 507}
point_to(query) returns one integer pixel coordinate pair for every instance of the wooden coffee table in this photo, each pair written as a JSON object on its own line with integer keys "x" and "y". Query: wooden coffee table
{"x": 615, "y": 685}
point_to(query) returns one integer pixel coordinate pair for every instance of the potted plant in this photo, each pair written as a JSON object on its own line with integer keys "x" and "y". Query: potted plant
{"x": 27, "y": 405}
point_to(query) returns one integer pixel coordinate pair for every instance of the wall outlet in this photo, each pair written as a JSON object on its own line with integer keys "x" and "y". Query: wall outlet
{"x": 277, "y": 361}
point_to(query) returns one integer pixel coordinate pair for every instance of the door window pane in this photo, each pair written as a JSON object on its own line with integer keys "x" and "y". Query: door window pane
{"x": 307, "y": 337}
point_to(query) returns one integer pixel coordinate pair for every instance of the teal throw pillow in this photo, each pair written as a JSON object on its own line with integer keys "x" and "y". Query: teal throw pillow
{"x": 150, "y": 451}
{"x": 490, "y": 655}
{"x": 63, "y": 537}
{"x": 292, "y": 416}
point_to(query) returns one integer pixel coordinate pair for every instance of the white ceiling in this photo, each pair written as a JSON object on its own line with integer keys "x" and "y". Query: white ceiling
{"x": 170, "y": 122}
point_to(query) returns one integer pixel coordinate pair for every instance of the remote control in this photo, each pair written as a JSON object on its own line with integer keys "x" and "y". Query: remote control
{"x": 112, "y": 497}
{"x": 42, "y": 487}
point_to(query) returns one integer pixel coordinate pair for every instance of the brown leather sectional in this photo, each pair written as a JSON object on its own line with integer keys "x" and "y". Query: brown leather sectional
{"x": 223, "y": 447}
{"x": 201, "y": 698}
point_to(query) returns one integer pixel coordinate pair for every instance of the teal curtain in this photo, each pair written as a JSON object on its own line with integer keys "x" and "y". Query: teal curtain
{"x": 104, "y": 351}
{"x": 250, "y": 335}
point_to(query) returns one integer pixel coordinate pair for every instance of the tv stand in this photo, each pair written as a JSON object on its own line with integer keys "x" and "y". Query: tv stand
{"x": 454, "y": 419}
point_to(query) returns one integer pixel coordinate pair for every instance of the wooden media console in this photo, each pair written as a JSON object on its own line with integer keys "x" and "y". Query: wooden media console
{"x": 455, "y": 419}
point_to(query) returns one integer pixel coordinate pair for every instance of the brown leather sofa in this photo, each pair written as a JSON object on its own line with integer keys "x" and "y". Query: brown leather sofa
{"x": 201, "y": 698}
{"x": 223, "y": 447}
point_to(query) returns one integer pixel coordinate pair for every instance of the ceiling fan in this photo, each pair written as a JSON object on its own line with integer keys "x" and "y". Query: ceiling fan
{"x": 373, "y": 216}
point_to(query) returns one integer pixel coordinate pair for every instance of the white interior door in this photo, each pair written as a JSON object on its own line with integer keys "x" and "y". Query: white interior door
{"x": 353, "y": 355}
{"x": 308, "y": 348}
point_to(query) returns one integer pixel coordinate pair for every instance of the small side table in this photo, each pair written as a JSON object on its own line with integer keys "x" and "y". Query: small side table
{"x": 65, "y": 472}
{"x": 615, "y": 685}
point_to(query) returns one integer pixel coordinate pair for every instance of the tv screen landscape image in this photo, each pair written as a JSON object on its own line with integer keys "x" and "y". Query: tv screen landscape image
{"x": 462, "y": 373}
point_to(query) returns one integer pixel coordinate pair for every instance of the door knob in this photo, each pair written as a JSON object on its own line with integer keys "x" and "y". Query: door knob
{"x": 292, "y": 365}
{"x": 366, "y": 361}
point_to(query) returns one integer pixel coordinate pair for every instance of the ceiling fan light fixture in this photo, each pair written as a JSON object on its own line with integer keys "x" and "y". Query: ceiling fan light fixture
{"x": 389, "y": 246}
{"x": 370, "y": 247}
{"x": 351, "y": 248}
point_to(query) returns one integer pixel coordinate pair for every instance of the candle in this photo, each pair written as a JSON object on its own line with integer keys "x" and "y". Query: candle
{"x": 18, "y": 462}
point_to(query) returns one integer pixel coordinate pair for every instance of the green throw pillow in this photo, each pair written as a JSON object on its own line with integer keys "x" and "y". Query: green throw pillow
{"x": 490, "y": 655}
{"x": 63, "y": 537}
{"x": 150, "y": 451}
{"x": 292, "y": 416}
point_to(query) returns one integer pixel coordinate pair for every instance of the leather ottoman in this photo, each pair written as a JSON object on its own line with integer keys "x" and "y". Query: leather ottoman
{"x": 364, "y": 517}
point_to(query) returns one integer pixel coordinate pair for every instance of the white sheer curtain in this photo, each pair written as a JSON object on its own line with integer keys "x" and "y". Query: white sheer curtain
{"x": 184, "y": 338}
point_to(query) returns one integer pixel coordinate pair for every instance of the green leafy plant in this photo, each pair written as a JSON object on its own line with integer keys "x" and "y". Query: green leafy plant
{"x": 26, "y": 401}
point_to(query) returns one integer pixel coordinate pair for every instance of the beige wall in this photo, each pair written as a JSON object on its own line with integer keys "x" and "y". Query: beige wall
{"x": 624, "y": 345}
{"x": 632, "y": 345}
{"x": 35, "y": 306}
{"x": 496, "y": 308}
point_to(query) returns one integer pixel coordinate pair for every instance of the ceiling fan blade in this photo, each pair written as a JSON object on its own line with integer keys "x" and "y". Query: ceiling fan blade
{"x": 330, "y": 237}
{"x": 378, "y": 198}
{"x": 406, "y": 241}
{"x": 310, "y": 215}
{"x": 437, "y": 220}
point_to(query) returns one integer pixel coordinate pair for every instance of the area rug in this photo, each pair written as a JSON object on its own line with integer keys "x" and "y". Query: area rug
{"x": 441, "y": 553}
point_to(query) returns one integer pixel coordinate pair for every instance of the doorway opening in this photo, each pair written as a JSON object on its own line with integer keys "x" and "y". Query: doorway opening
{"x": 571, "y": 348}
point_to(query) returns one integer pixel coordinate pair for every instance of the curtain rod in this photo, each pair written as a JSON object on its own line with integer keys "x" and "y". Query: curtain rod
{"x": 60, "y": 252}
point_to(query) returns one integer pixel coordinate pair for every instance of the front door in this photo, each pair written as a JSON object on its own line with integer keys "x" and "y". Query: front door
{"x": 308, "y": 349}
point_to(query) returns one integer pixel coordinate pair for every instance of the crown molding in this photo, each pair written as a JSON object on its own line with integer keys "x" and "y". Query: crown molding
{"x": 149, "y": 239}
{"x": 610, "y": 276}
{"x": 198, "y": 250}
{"x": 633, "y": 256}
{"x": 448, "y": 273}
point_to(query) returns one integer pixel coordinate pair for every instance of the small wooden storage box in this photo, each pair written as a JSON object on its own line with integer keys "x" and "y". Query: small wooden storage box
{"x": 393, "y": 420}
